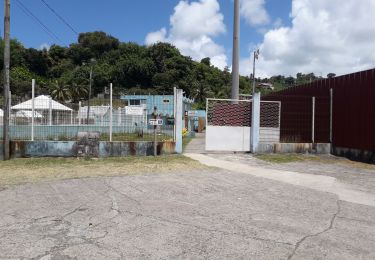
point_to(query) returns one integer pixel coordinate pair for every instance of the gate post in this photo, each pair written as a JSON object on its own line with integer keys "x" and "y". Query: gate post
{"x": 255, "y": 123}
{"x": 178, "y": 94}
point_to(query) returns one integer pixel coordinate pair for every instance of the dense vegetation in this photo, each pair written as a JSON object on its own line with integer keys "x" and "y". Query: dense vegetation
{"x": 63, "y": 72}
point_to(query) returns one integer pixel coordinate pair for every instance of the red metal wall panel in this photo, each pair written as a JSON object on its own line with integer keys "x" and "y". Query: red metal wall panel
{"x": 353, "y": 111}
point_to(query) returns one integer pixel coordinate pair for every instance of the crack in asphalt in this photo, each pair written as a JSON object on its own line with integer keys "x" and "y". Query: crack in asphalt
{"x": 121, "y": 193}
{"x": 205, "y": 229}
{"x": 332, "y": 221}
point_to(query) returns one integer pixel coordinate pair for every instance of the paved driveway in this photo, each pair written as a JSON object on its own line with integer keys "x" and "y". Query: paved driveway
{"x": 211, "y": 214}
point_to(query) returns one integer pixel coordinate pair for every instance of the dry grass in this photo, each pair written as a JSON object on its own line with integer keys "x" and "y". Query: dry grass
{"x": 329, "y": 159}
{"x": 32, "y": 170}
{"x": 286, "y": 158}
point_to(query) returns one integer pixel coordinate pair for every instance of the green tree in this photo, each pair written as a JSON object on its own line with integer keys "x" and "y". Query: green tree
{"x": 97, "y": 42}
{"x": 60, "y": 91}
{"x": 77, "y": 92}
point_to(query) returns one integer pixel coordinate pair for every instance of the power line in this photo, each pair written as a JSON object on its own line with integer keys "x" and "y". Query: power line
{"x": 60, "y": 17}
{"x": 31, "y": 15}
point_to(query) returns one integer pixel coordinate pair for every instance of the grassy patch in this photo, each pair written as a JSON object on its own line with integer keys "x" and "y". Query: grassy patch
{"x": 32, "y": 170}
{"x": 328, "y": 159}
{"x": 286, "y": 158}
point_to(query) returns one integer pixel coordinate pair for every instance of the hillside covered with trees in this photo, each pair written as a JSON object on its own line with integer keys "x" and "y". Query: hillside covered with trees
{"x": 63, "y": 72}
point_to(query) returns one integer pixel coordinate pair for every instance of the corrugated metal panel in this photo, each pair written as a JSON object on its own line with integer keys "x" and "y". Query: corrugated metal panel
{"x": 353, "y": 111}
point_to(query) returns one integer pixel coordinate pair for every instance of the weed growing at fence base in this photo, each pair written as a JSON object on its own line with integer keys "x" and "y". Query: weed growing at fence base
{"x": 31, "y": 170}
{"x": 286, "y": 158}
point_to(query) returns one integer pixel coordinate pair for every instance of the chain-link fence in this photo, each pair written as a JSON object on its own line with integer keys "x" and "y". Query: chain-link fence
{"x": 43, "y": 118}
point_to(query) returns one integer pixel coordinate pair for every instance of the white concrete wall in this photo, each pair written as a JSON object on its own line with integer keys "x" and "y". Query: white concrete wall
{"x": 227, "y": 138}
{"x": 237, "y": 139}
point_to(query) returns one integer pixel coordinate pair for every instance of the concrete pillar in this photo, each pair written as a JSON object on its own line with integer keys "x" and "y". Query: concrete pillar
{"x": 178, "y": 118}
{"x": 255, "y": 123}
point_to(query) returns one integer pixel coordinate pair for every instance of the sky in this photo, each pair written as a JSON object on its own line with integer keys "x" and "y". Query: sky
{"x": 319, "y": 36}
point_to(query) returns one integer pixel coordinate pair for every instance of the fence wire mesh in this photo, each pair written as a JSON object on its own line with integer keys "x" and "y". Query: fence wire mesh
{"x": 59, "y": 121}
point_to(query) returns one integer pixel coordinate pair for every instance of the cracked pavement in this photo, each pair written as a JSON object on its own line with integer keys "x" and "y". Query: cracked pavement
{"x": 211, "y": 214}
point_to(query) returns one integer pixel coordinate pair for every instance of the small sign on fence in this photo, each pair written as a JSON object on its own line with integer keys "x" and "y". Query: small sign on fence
{"x": 193, "y": 113}
{"x": 156, "y": 122}
{"x": 135, "y": 111}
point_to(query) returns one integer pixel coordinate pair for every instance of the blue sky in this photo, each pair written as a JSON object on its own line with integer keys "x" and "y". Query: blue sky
{"x": 293, "y": 35}
{"x": 126, "y": 20}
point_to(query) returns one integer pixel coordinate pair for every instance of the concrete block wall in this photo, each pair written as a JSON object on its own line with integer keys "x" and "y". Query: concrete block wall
{"x": 294, "y": 148}
{"x": 24, "y": 149}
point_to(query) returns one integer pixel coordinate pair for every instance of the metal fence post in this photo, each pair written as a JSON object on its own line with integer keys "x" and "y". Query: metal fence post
{"x": 32, "y": 108}
{"x": 79, "y": 112}
{"x": 331, "y": 115}
{"x": 110, "y": 113}
{"x": 155, "y": 126}
{"x": 178, "y": 120}
{"x": 119, "y": 116}
{"x": 174, "y": 112}
{"x": 50, "y": 111}
{"x": 313, "y": 121}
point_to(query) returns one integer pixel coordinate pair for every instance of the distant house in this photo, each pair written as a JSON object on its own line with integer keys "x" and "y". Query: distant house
{"x": 267, "y": 86}
{"x": 163, "y": 103}
{"x": 47, "y": 110}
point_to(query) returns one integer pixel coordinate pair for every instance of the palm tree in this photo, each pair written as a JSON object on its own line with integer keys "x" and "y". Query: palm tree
{"x": 60, "y": 92}
{"x": 78, "y": 92}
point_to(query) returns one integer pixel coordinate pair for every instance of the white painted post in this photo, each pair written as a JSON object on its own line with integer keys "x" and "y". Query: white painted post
{"x": 71, "y": 117}
{"x": 110, "y": 114}
{"x": 313, "y": 121}
{"x": 178, "y": 119}
{"x": 79, "y": 112}
{"x": 255, "y": 123}
{"x": 32, "y": 108}
{"x": 174, "y": 113}
{"x": 50, "y": 111}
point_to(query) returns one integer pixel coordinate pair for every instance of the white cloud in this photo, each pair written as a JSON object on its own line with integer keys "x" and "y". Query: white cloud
{"x": 193, "y": 26}
{"x": 44, "y": 46}
{"x": 254, "y": 12}
{"x": 157, "y": 36}
{"x": 325, "y": 36}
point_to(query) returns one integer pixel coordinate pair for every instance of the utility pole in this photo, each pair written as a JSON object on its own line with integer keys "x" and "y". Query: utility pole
{"x": 256, "y": 55}
{"x": 236, "y": 54}
{"x": 6, "y": 152}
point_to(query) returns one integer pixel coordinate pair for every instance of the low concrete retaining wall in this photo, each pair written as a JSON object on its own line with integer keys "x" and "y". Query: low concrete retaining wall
{"x": 20, "y": 149}
{"x": 294, "y": 148}
{"x": 366, "y": 156}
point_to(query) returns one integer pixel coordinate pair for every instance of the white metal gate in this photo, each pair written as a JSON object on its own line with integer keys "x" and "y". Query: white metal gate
{"x": 228, "y": 124}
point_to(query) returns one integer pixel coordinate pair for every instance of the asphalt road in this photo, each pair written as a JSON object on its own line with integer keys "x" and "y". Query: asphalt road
{"x": 214, "y": 214}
